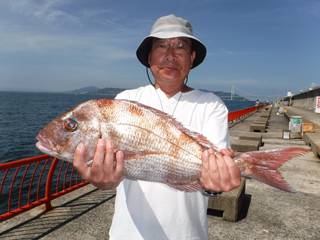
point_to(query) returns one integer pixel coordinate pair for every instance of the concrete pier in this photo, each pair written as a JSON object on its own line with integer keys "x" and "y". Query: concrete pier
{"x": 267, "y": 213}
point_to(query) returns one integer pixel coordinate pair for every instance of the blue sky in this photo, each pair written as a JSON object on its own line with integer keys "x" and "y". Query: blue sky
{"x": 263, "y": 48}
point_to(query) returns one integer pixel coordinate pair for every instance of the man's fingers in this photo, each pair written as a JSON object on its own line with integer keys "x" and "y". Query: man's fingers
{"x": 214, "y": 171}
{"x": 98, "y": 159}
{"x": 109, "y": 157}
{"x": 213, "y": 166}
{"x": 204, "y": 174}
{"x": 119, "y": 165}
{"x": 79, "y": 161}
{"x": 234, "y": 171}
{"x": 219, "y": 172}
{"x": 205, "y": 160}
{"x": 99, "y": 153}
{"x": 210, "y": 178}
{"x": 227, "y": 152}
{"x": 105, "y": 173}
{"x": 223, "y": 170}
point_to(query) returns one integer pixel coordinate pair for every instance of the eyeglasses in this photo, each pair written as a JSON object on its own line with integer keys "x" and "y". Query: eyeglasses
{"x": 179, "y": 46}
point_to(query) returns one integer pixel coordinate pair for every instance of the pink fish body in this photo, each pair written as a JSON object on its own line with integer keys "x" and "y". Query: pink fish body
{"x": 156, "y": 147}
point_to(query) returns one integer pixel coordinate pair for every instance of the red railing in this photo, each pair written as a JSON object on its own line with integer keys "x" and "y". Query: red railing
{"x": 33, "y": 181}
{"x": 241, "y": 114}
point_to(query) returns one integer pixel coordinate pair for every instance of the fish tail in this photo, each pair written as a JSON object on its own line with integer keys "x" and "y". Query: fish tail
{"x": 263, "y": 165}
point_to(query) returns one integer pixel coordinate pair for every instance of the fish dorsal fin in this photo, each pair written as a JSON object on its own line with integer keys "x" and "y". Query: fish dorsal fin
{"x": 202, "y": 140}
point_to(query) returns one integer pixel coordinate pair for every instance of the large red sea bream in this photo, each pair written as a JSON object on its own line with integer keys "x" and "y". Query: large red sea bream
{"x": 156, "y": 147}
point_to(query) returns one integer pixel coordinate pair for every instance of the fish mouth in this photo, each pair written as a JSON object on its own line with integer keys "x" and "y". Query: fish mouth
{"x": 45, "y": 149}
{"x": 44, "y": 145}
{"x": 42, "y": 148}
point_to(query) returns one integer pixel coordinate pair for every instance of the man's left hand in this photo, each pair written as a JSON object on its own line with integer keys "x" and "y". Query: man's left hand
{"x": 219, "y": 172}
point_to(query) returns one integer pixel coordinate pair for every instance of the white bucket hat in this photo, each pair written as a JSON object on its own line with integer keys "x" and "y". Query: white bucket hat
{"x": 170, "y": 27}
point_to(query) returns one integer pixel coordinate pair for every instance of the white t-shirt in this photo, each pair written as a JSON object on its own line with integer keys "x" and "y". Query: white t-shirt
{"x": 148, "y": 210}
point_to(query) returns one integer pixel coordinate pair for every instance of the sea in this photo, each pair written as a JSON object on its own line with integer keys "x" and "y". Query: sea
{"x": 23, "y": 114}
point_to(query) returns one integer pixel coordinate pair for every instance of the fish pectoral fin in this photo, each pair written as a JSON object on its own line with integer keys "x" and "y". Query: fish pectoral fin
{"x": 188, "y": 187}
{"x": 130, "y": 155}
{"x": 134, "y": 155}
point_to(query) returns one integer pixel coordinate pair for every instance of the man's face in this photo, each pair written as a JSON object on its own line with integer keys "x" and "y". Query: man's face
{"x": 171, "y": 59}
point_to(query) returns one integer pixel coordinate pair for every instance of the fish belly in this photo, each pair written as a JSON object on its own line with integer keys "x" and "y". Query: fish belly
{"x": 162, "y": 168}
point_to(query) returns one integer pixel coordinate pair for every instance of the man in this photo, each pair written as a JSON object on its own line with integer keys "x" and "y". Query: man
{"x": 148, "y": 210}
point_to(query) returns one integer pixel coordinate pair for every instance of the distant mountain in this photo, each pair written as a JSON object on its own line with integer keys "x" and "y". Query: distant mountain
{"x": 108, "y": 91}
{"x": 226, "y": 96}
{"x": 84, "y": 90}
{"x": 114, "y": 91}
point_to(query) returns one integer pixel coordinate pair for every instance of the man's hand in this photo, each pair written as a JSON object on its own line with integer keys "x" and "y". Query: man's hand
{"x": 227, "y": 152}
{"x": 106, "y": 171}
{"x": 219, "y": 172}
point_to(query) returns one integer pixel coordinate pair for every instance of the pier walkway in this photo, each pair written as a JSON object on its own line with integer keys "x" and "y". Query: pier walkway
{"x": 268, "y": 213}
{"x": 308, "y": 115}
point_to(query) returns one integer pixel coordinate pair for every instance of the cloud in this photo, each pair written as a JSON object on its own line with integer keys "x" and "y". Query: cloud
{"x": 46, "y": 34}
{"x": 73, "y": 15}
{"x": 38, "y": 43}
{"x": 52, "y": 27}
{"x": 46, "y": 10}
{"x": 60, "y": 45}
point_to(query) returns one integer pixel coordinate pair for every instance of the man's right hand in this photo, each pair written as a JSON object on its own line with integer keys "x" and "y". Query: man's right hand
{"x": 106, "y": 170}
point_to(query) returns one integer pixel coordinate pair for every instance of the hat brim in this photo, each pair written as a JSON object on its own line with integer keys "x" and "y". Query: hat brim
{"x": 144, "y": 48}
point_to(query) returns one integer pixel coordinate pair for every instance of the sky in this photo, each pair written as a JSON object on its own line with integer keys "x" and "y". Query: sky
{"x": 260, "y": 48}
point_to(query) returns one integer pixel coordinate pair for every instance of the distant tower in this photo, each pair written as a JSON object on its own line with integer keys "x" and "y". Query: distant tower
{"x": 232, "y": 92}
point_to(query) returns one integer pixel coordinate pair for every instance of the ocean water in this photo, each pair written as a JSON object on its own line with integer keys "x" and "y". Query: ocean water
{"x": 22, "y": 115}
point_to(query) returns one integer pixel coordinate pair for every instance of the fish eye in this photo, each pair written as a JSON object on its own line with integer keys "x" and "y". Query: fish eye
{"x": 70, "y": 124}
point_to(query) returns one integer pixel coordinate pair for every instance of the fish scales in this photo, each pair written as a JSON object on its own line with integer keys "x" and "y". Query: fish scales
{"x": 159, "y": 149}
{"x": 152, "y": 128}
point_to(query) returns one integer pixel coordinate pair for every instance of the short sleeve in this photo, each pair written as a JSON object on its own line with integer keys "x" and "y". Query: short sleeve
{"x": 216, "y": 124}
{"x": 124, "y": 95}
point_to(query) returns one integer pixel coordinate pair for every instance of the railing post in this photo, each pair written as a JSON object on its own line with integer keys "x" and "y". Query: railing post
{"x": 47, "y": 196}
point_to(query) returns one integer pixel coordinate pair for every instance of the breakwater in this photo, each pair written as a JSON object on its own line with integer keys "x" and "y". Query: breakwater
{"x": 305, "y": 99}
